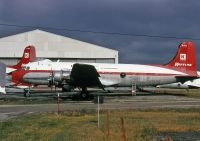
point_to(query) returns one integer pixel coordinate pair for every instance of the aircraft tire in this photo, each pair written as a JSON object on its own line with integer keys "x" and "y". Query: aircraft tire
{"x": 26, "y": 93}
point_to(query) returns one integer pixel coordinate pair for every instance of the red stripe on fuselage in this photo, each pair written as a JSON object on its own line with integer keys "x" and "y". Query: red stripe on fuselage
{"x": 114, "y": 73}
{"x": 138, "y": 73}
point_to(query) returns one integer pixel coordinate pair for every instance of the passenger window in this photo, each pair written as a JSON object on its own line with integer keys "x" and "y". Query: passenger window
{"x": 122, "y": 75}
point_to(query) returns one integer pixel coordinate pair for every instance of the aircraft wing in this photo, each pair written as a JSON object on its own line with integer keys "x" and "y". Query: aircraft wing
{"x": 84, "y": 75}
{"x": 2, "y": 77}
{"x": 183, "y": 79}
{"x": 2, "y": 90}
{"x": 192, "y": 84}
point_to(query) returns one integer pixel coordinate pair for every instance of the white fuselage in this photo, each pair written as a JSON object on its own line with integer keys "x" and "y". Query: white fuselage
{"x": 116, "y": 74}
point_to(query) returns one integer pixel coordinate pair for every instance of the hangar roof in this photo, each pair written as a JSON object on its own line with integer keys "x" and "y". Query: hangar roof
{"x": 53, "y": 46}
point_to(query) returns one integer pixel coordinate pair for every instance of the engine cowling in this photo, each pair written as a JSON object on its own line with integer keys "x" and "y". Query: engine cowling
{"x": 60, "y": 76}
{"x": 61, "y": 79}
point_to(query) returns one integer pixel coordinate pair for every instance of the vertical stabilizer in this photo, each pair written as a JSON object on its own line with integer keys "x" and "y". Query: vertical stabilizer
{"x": 185, "y": 59}
{"x": 29, "y": 55}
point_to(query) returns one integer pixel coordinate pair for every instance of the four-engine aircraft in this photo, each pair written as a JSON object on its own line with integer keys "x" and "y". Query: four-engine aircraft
{"x": 68, "y": 75}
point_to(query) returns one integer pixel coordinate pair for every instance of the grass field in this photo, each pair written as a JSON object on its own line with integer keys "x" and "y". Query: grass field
{"x": 78, "y": 126}
{"x": 193, "y": 93}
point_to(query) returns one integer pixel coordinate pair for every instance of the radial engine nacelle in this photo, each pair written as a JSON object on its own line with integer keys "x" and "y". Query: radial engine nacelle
{"x": 60, "y": 76}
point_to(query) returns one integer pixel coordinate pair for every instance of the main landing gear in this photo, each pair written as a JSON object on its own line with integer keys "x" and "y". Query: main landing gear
{"x": 27, "y": 93}
{"x": 84, "y": 93}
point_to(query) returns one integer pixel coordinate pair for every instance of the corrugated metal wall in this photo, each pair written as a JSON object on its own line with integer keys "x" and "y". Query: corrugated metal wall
{"x": 52, "y": 46}
{"x": 89, "y": 60}
{"x": 9, "y": 61}
{"x": 13, "y": 61}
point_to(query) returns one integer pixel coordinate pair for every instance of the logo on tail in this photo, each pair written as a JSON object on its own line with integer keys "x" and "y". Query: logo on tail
{"x": 182, "y": 57}
{"x": 26, "y": 55}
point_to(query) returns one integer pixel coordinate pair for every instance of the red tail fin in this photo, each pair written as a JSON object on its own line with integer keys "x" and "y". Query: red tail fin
{"x": 185, "y": 59}
{"x": 28, "y": 56}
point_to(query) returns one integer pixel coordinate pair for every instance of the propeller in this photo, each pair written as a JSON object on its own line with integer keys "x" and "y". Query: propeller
{"x": 51, "y": 80}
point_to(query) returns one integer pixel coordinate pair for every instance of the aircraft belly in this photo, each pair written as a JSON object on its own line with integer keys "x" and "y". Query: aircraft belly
{"x": 139, "y": 80}
{"x": 37, "y": 78}
{"x": 152, "y": 80}
{"x": 36, "y": 82}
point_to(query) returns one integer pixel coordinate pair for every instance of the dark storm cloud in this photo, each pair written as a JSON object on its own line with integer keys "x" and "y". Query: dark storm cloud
{"x": 153, "y": 17}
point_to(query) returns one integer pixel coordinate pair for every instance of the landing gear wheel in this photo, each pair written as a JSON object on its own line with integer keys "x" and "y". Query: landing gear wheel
{"x": 84, "y": 94}
{"x": 27, "y": 93}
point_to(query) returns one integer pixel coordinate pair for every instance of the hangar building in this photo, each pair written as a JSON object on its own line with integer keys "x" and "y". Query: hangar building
{"x": 54, "y": 47}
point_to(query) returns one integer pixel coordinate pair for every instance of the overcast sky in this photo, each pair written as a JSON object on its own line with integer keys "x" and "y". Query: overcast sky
{"x": 178, "y": 18}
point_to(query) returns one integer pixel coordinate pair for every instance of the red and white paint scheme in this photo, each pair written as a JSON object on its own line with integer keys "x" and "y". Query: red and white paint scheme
{"x": 181, "y": 68}
{"x": 29, "y": 55}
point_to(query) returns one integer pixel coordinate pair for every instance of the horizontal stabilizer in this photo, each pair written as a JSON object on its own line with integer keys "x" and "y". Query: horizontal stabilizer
{"x": 183, "y": 79}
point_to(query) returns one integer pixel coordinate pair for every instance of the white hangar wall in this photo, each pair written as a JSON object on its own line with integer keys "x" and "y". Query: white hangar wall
{"x": 52, "y": 46}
